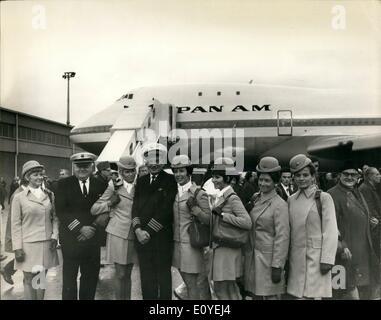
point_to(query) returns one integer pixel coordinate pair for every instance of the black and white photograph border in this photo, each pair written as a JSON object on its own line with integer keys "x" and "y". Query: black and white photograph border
{"x": 208, "y": 79}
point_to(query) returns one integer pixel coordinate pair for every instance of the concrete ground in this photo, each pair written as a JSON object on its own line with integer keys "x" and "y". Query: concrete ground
{"x": 54, "y": 278}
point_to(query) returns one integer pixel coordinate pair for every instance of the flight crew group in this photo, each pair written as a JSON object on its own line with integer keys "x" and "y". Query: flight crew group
{"x": 290, "y": 249}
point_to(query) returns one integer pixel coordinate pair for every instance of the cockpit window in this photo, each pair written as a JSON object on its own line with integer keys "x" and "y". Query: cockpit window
{"x": 126, "y": 96}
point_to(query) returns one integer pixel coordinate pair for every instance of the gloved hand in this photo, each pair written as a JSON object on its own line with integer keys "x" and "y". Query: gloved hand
{"x": 325, "y": 268}
{"x": 102, "y": 220}
{"x": 19, "y": 255}
{"x": 118, "y": 183}
{"x": 276, "y": 274}
{"x": 217, "y": 211}
{"x": 114, "y": 200}
{"x": 191, "y": 202}
{"x": 53, "y": 244}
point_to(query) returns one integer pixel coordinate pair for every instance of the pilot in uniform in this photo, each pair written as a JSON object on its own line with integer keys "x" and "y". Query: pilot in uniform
{"x": 79, "y": 236}
{"x": 152, "y": 214}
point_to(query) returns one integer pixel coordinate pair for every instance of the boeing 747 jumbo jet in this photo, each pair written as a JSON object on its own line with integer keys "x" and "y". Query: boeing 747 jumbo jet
{"x": 245, "y": 121}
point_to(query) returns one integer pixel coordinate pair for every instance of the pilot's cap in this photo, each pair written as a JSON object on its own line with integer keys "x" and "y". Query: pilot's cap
{"x": 181, "y": 161}
{"x": 299, "y": 162}
{"x": 225, "y": 164}
{"x": 30, "y": 165}
{"x": 127, "y": 162}
{"x": 268, "y": 164}
{"x": 104, "y": 165}
{"x": 155, "y": 151}
{"x": 83, "y": 158}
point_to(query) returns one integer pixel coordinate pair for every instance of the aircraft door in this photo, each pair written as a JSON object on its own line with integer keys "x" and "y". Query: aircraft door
{"x": 163, "y": 120}
{"x": 284, "y": 122}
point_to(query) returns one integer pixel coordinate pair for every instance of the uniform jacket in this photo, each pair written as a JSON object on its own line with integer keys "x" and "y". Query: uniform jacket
{"x": 183, "y": 216}
{"x": 8, "y": 232}
{"x": 268, "y": 244}
{"x": 152, "y": 208}
{"x": 73, "y": 210}
{"x": 353, "y": 222}
{"x": 33, "y": 219}
{"x": 120, "y": 215}
{"x": 234, "y": 212}
{"x": 313, "y": 240}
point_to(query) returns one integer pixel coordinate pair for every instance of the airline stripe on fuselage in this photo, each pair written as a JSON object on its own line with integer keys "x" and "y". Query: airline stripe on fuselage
{"x": 322, "y": 122}
{"x": 342, "y": 122}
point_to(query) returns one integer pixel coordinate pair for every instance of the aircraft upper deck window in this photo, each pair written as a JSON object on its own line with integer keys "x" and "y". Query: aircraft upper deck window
{"x": 218, "y": 93}
{"x": 200, "y": 94}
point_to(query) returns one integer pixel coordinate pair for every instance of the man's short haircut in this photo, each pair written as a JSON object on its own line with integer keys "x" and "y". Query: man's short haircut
{"x": 285, "y": 170}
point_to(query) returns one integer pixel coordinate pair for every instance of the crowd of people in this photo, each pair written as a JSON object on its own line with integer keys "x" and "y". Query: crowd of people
{"x": 275, "y": 233}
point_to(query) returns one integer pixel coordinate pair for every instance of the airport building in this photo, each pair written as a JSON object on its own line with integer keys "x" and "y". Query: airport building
{"x": 25, "y": 137}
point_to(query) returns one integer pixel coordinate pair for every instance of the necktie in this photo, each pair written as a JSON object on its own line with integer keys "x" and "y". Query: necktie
{"x": 153, "y": 178}
{"x": 84, "y": 189}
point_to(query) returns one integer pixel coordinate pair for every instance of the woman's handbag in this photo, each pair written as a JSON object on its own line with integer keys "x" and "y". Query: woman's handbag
{"x": 225, "y": 234}
{"x": 199, "y": 233}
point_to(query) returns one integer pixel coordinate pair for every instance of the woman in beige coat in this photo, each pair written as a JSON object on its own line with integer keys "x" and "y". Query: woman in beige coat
{"x": 267, "y": 250}
{"x": 227, "y": 263}
{"x": 314, "y": 238}
{"x": 116, "y": 202}
{"x": 191, "y": 203}
{"x": 34, "y": 228}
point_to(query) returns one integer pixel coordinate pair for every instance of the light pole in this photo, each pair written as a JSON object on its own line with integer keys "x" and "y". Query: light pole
{"x": 68, "y": 75}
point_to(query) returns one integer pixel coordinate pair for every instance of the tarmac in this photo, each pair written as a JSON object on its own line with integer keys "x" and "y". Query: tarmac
{"x": 105, "y": 288}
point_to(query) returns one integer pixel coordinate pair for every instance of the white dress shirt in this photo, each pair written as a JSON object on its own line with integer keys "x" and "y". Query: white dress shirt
{"x": 87, "y": 183}
{"x": 152, "y": 178}
{"x": 287, "y": 189}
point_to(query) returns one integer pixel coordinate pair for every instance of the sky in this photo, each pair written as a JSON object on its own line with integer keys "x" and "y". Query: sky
{"x": 115, "y": 46}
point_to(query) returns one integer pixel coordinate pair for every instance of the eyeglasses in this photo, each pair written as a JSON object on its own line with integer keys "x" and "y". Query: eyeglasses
{"x": 350, "y": 174}
{"x": 83, "y": 165}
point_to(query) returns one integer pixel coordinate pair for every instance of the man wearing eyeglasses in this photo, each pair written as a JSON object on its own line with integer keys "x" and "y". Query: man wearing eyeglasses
{"x": 355, "y": 252}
